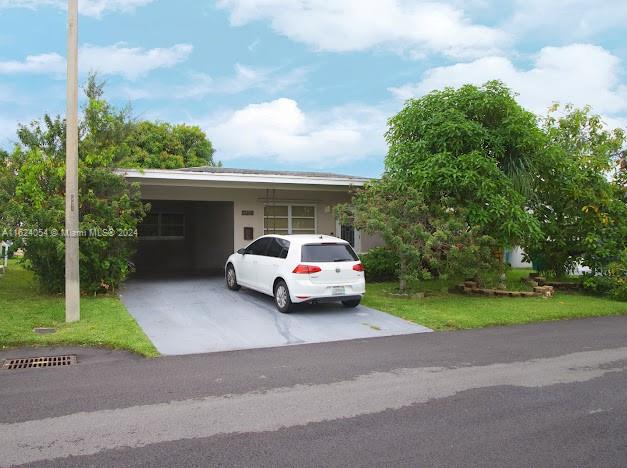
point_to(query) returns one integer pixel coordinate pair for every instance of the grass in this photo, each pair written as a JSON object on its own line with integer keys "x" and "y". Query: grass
{"x": 104, "y": 322}
{"x": 442, "y": 310}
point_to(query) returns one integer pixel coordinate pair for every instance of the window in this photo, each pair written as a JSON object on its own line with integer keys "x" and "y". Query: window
{"x": 168, "y": 226}
{"x": 328, "y": 253}
{"x": 303, "y": 220}
{"x": 276, "y": 220}
{"x": 259, "y": 247}
{"x": 278, "y": 248}
{"x": 289, "y": 219}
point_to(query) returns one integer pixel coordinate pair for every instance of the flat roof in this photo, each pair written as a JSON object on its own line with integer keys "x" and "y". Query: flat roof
{"x": 223, "y": 176}
{"x": 231, "y": 170}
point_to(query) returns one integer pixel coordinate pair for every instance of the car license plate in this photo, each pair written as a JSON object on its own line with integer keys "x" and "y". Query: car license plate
{"x": 338, "y": 290}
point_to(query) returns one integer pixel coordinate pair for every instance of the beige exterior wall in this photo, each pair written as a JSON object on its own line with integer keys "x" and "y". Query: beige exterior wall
{"x": 254, "y": 199}
{"x": 370, "y": 241}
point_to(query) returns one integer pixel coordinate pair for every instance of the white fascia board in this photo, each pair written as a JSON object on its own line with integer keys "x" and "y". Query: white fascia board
{"x": 235, "y": 179}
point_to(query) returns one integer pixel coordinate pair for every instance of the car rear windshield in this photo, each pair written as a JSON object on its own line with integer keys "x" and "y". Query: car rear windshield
{"x": 328, "y": 252}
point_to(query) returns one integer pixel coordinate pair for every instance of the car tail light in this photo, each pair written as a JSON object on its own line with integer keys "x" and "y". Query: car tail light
{"x": 306, "y": 269}
{"x": 359, "y": 267}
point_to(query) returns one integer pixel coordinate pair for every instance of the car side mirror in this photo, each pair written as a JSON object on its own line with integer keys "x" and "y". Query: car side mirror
{"x": 241, "y": 251}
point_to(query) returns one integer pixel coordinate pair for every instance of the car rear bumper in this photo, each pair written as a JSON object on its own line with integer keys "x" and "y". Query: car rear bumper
{"x": 335, "y": 298}
{"x": 306, "y": 291}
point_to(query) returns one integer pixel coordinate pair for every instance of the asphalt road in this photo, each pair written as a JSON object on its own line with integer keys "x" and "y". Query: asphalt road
{"x": 552, "y": 394}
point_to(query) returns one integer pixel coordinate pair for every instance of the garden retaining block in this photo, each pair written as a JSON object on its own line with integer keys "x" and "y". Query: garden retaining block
{"x": 538, "y": 291}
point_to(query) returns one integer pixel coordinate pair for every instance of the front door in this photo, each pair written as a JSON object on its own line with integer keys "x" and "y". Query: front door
{"x": 351, "y": 235}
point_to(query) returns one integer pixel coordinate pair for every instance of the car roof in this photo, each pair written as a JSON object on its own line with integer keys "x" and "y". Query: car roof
{"x": 308, "y": 238}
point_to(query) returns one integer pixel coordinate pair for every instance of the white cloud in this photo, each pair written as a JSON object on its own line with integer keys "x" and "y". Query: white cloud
{"x": 200, "y": 85}
{"x": 131, "y": 62}
{"x": 94, "y": 8}
{"x": 580, "y": 74}
{"x": 42, "y": 63}
{"x": 267, "y": 79}
{"x": 568, "y": 18}
{"x": 346, "y": 25}
{"x": 117, "y": 59}
{"x": 281, "y": 130}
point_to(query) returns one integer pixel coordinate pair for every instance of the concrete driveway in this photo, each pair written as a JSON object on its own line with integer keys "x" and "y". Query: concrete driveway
{"x": 200, "y": 315}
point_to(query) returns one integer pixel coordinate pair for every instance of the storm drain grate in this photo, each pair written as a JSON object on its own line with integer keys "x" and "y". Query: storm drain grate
{"x": 45, "y": 361}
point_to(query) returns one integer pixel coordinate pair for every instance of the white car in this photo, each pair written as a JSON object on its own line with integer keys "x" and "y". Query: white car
{"x": 298, "y": 268}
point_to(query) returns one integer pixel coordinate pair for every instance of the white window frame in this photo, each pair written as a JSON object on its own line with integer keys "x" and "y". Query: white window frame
{"x": 289, "y": 216}
{"x": 159, "y": 224}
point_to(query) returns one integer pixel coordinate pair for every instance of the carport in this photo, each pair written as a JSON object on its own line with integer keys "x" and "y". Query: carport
{"x": 185, "y": 237}
{"x": 198, "y": 217}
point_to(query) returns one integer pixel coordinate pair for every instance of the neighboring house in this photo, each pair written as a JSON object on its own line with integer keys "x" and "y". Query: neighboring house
{"x": 514, "y": 257}
{"x": 201, "y": 215}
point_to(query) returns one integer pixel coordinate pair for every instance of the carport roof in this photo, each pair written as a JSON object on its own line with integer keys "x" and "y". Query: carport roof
{"x": 231, "y": 170}
{"x": 222, "y": 176}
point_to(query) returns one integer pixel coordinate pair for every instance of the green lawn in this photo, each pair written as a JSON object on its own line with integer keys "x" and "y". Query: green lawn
{"x": 442, "y": 310}
{"x": 104, "y": 320}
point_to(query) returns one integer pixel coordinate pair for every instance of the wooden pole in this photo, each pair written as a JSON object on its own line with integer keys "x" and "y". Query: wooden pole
{"x": 72, "y": 281}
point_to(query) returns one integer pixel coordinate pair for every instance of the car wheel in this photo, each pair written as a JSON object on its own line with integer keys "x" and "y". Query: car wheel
{"x": 352, "y": 303}
{"x": 282, "y": 297}
{"x": 231, "y": 279}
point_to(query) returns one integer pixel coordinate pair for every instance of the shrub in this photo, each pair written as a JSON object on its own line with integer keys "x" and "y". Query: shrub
{"x": 381, "y": 264}
{"x": 110, "y": 210}
{"x": 600, "y": 284}
{"x": 613, "y": 282}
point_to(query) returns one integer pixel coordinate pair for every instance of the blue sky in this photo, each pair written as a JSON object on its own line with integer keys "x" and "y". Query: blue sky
{"x": 309, "y": 84}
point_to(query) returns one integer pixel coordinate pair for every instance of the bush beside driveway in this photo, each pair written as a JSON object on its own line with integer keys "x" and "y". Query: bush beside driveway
{"x": 443, "y": 310}
{"x": 104, "y": 322}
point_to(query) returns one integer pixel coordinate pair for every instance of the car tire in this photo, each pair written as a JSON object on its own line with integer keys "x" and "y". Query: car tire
{"x": 351, "y": 303}
{"x": 231, "y": 279}
{"x": 282, "y": 299}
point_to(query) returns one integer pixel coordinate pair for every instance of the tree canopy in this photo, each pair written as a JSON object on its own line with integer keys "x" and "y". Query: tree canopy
{"x": 469, "y": 170}
{"x": 457, "y": 174}
{"x": 32, "y": 184}
{"x": 580, "y": 200}
{"x": 484, "y": 120}
{"x": 475, "y": 146}
{"x": 162, "y": 145}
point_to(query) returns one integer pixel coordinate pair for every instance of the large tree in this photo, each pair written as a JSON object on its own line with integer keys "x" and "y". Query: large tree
{"x": 580, "y": 200}
{"x": 32, "y": 179}
{"x": 109, "y": 208}
{"x": 484, "y": 120}
{"x": 475, "y": 146}
{"x": 458, "y": 173}
{"x": 163, "y": 145}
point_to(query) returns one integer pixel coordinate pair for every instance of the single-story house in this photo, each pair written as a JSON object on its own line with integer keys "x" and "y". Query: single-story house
{"x": 201, "y": 215}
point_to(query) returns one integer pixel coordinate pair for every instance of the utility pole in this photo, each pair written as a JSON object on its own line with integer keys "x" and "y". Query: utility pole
{"x": 72, "y": 286}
